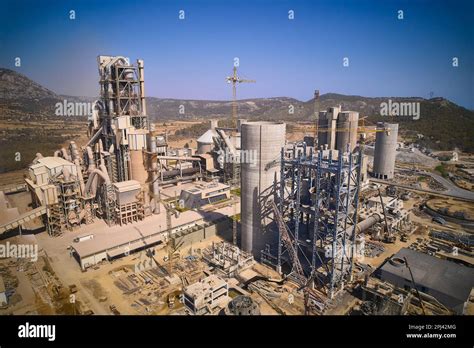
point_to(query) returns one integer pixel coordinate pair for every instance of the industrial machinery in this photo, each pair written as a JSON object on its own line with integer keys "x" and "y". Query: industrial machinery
{"x": 115, "y": 175}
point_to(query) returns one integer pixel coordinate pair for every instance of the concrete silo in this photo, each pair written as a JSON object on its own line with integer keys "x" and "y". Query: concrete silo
{"x": 347, "y": 124}
{"x": 327, "y": 124}
{"x": 385, "y": 150}
{"x": 205, "y": 142}
{"x": 260, "y": 168}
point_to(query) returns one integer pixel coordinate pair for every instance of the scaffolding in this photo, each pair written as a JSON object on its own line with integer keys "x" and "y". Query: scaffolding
{"x": 330, "y": 213}
{"x": 55, "y": 220}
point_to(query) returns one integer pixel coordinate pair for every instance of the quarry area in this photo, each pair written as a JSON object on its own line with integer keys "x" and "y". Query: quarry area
{"x": 328, "y": 217}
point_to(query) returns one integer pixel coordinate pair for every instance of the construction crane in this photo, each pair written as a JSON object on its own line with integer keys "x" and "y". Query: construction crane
{"x": 234, "y": 80}
{"x": 316, "y": 116}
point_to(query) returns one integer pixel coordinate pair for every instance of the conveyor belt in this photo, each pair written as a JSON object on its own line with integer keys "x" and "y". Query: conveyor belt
{"x": 28, "y": 216}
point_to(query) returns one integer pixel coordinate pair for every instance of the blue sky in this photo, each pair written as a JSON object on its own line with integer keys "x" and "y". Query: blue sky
{"x": 190, "y": 58}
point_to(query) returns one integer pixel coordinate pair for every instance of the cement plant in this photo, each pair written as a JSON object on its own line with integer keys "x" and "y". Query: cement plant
{"x": 343, "y": 218}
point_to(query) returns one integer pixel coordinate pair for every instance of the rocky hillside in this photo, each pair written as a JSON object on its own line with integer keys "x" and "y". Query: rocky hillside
{"x": 444, "y": 124}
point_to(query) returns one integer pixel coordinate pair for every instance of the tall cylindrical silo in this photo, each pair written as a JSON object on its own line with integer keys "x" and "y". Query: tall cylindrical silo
{"x": 260, "y": 168}
{"x": 322, "y": 128}
{"x": 347, "y": 124}
{"x": 385, "y": 150}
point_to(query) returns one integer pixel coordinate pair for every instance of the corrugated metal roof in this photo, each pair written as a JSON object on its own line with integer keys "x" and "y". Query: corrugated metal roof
{"x": 431, "y": 272}
{"x": 127, "y": 185}
{"x": 207, "y": 138}
{"x": 53, "y": 162}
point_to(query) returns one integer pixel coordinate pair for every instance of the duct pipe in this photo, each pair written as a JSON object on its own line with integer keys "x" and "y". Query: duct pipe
{"x": 57, "y": 153}
{"x": 65, "y": 154}
{"x": 103, "y": 169}
{"x": 96, "y": 108}
{"x": 90, "y": 157}
{"x": 141, "y": 76}
{"x": 79, "y": 176}
{"x": 154, "y": 168}
{"x": 37, "y": 157}
{"x": 74, "y": 151}
{"x": 66, "y": 174}
{"x": 94, "y": 137}
{"x": 95, "y": 172}
{"x": 226, "y": 139}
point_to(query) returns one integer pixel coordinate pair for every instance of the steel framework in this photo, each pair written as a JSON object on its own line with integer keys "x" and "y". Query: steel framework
{"x": 121, "y": 94}
{"x": 334, "y": 182}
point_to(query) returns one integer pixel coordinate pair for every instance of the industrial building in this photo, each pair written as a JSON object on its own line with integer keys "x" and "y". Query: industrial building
{"x": 207, "y": 296}
{"x": 448, "y": 282}
{"x": 116, "y": 176}
{"x": 203, "y": 194}
{"x": 338, "y": 129}
{"x": 304, "y": 211}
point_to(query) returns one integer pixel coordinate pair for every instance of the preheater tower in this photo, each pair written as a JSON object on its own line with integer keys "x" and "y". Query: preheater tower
{"x": 260, "y": 169}
{"x": 385, "y": 150}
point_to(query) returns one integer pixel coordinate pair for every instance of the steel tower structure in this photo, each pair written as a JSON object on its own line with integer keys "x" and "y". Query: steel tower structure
{"x": 334, "y": 182}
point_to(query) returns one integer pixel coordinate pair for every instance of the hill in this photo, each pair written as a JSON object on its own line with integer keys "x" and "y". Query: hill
{"x": 444, "y": 124}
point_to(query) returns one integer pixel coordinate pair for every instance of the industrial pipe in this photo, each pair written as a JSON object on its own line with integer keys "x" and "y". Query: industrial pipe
{"x": 89, "y": 185}
{"x": 74, "y": 151}
{"x": 227, "y": 141}
{"x": 65, "y": 154}
{"x": 90, "y": 157}
{"x": 37, "y": 157}
{"x": 154, "y": 168}
{"x": 366, "y": 224}
{"x": 79, "y": 174}
{"x": 66, "y": 174}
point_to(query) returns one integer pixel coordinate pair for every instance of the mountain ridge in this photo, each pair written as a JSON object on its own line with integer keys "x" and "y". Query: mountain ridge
{"x": 22, "y": 98}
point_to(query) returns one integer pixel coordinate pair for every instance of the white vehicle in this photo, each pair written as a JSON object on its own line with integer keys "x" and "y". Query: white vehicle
{"x": 84, "y": 237}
